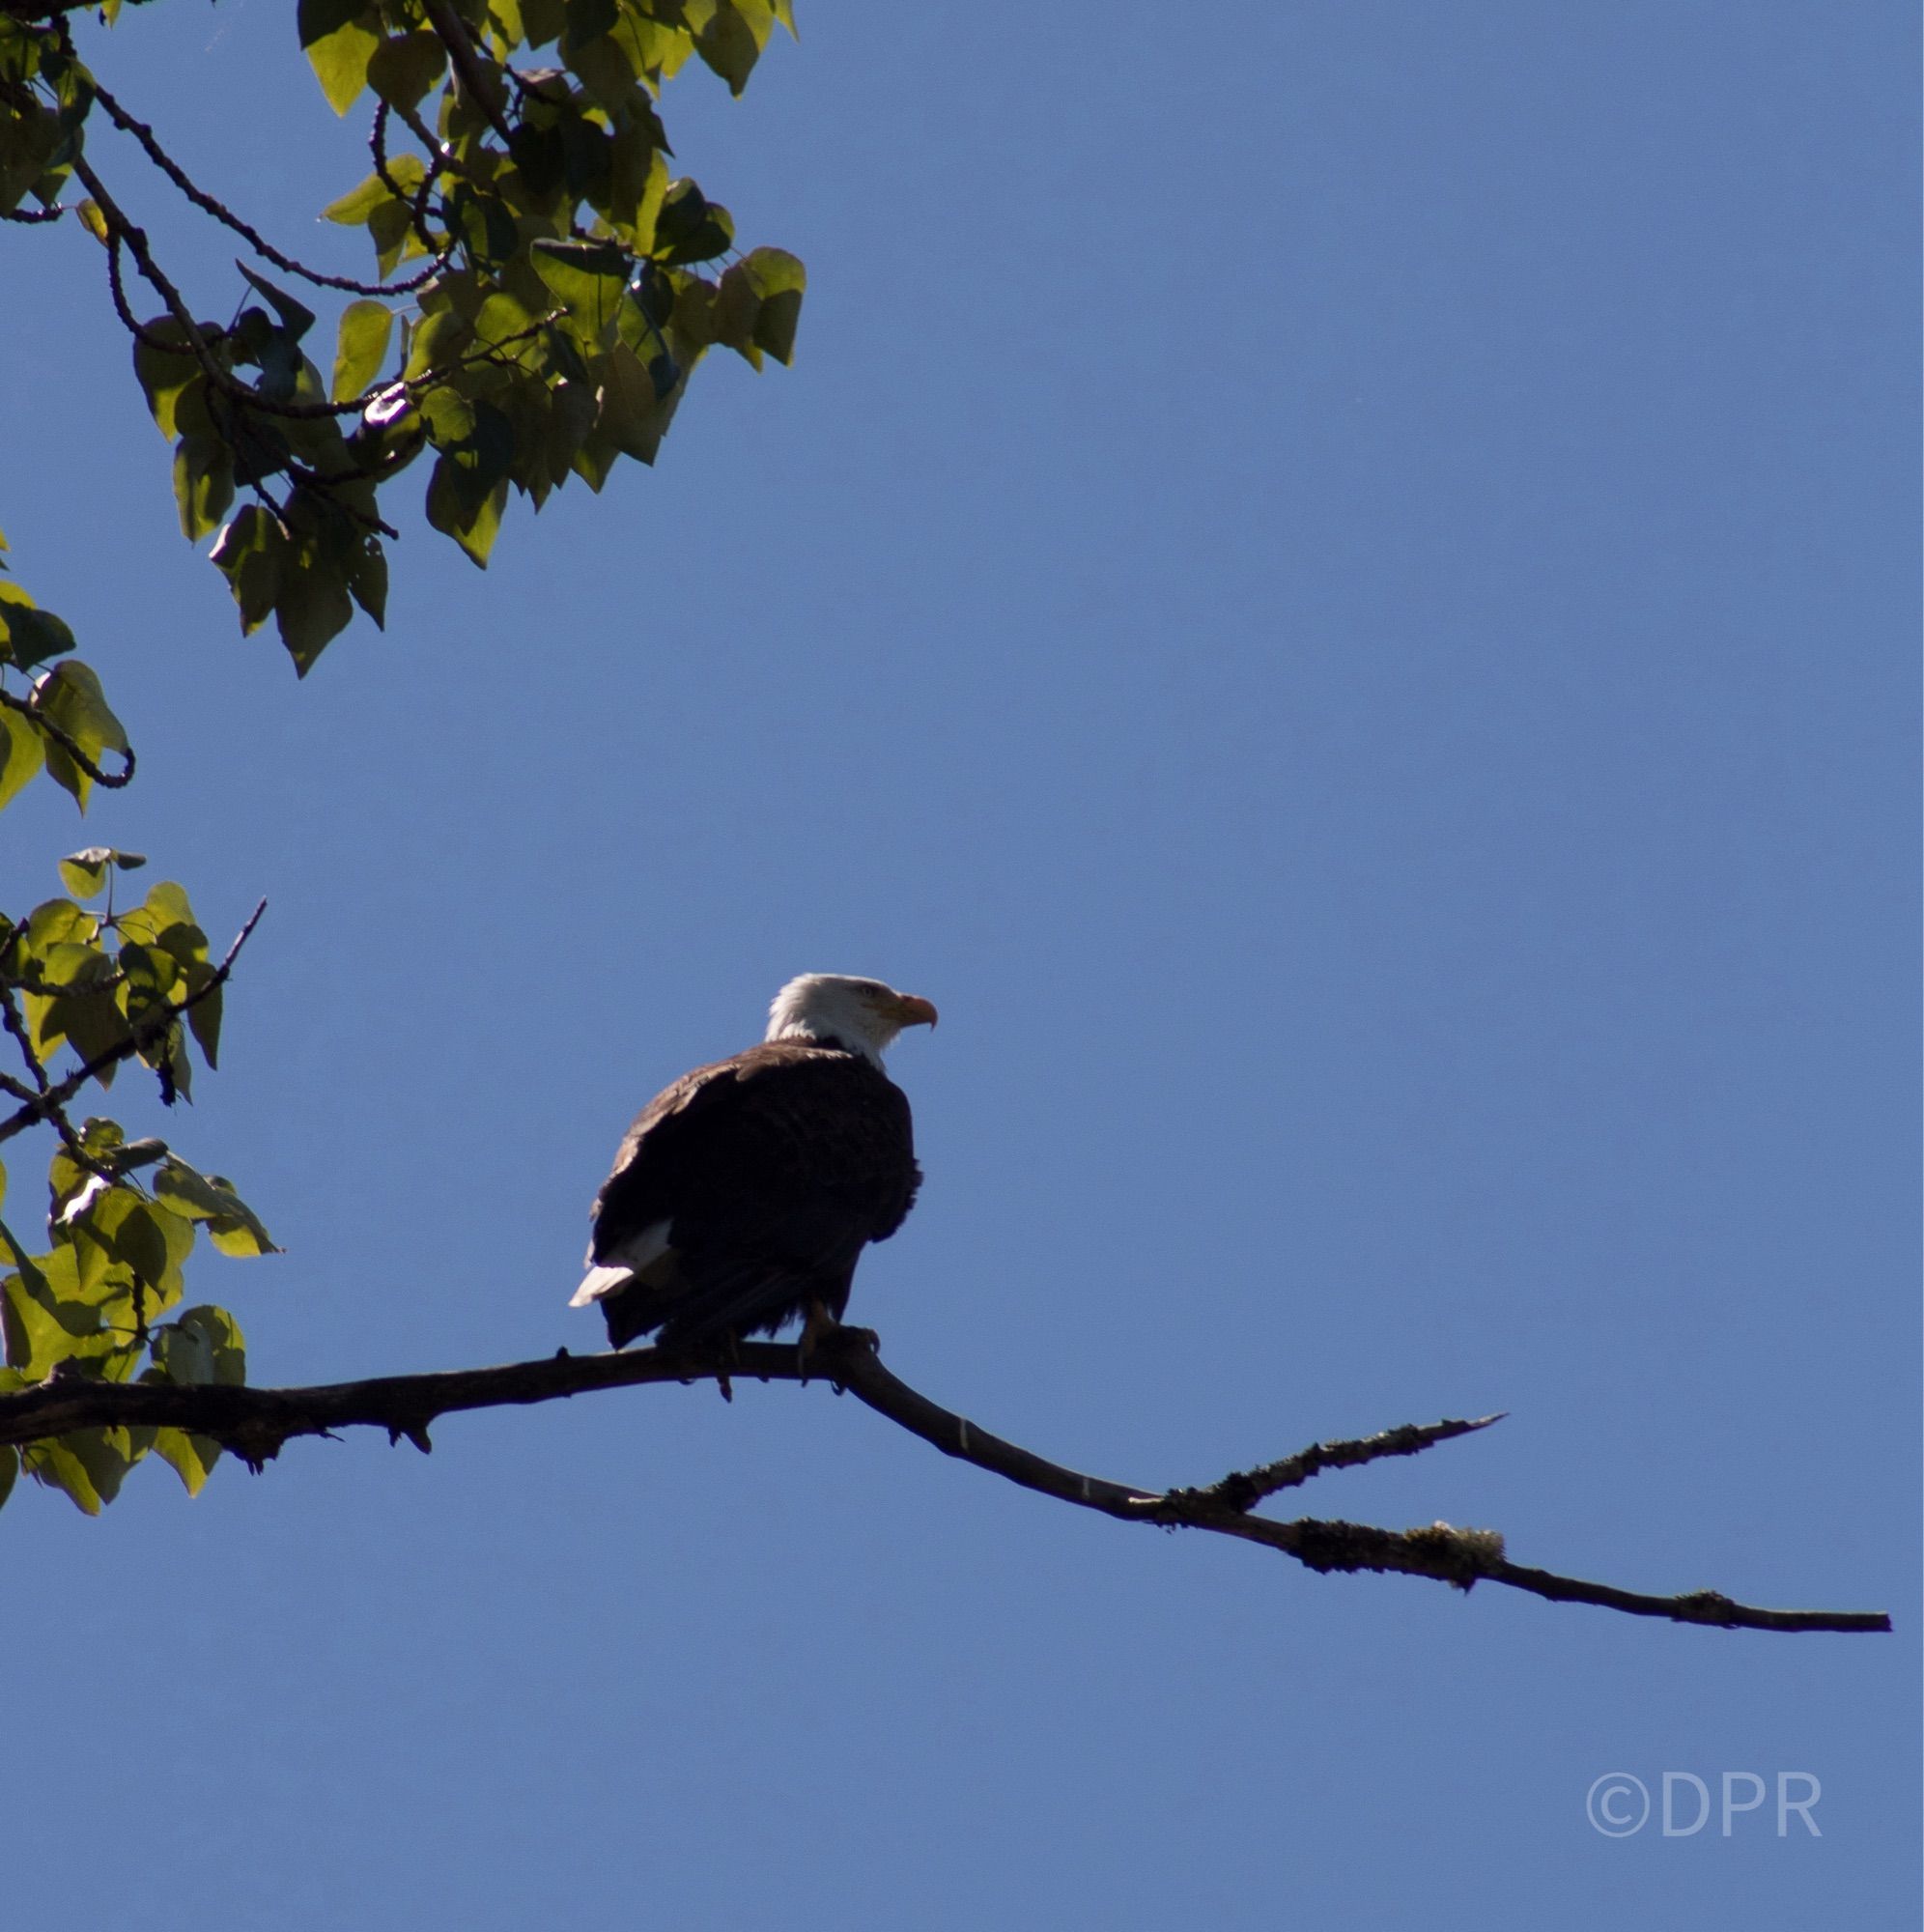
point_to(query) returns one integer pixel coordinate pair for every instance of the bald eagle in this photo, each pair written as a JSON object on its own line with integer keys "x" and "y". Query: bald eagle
{"x": 744, "y": 1194}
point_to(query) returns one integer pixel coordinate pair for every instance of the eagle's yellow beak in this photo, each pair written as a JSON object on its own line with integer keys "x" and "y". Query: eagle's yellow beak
{"x": 907, "y": 1012}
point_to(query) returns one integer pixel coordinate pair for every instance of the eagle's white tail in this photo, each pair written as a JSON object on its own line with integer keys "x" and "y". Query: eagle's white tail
{"x": 597, "y": 1282}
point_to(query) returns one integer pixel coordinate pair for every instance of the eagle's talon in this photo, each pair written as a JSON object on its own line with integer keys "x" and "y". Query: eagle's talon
{"x": 817, "y": 1329}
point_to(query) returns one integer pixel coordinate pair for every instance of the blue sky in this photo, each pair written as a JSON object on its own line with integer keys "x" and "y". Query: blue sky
{"x": 1338, "y": 586}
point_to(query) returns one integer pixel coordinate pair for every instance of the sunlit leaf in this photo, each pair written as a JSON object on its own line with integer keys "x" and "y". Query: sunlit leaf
{"x": 85, "y": 872}
{"x": 366, "y": 328}
{"x": 340, "y": 37}
{"x": 22, "y": 752}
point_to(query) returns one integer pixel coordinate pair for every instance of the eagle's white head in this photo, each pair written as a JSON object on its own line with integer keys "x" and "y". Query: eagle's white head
{"x": 863, "y": 1015}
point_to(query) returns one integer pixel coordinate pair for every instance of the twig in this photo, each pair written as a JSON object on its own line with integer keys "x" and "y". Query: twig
{"x": 30, "y": 709}
{"x": 153, "y": 1021}
{"x": 1244, "y": 1488}
{"x": 256, "y": 1423}
{"x": 417, "y": 203}
{"x": 15, "y": 1024}
{"x": 452, "y": 32}
{"x": 255, "y": 240}
{"x": 135, "y": 238}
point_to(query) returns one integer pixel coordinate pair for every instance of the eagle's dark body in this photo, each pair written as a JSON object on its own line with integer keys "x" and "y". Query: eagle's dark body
{"x": 744, "y": 1193}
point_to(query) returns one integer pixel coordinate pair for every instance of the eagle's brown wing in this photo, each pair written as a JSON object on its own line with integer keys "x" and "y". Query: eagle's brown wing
{"x": 770, "y": 1170}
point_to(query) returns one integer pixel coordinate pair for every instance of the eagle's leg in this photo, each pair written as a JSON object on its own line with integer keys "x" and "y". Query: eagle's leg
{"x": 817, "y": 1323}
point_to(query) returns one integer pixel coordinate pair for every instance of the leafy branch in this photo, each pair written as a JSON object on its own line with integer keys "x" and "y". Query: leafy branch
{"x": 153, "y": 1022}
{"x": 256, "y": 1423}
{"x": 569, "y": 286}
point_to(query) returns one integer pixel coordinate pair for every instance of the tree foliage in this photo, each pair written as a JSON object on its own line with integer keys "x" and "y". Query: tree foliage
{"x": 543, "y": 286}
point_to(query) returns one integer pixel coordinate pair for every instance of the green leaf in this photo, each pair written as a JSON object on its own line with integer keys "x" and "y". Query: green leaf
{"x": 92, "y": 1024}
{"x": 606, "y": 72}
{"x": 203, "y": 483}
{"x": 318, "y": 18}
{"x": 406, "y": 66}
{"x": 85, "y": 872}
{"x": 730, "y": 45}
{"x": 71, "y": 695}
{"x": 407, "y": 171}
{"x": 690, "y": 228}
{"x": 340, "y": 37}
{"x": 53, "y": 1464}
{"x": 297, "y": 318}
{"x": 141, "y": 1244}
{"x": 88, "y": 1464}
{"x": 473, "y": 521}
{"x": 733, "y": 317}
{"x": 588, "y": 278}
{"x": 22, "y": 752}
{"x": 249, "y": 553}
{"x": 151, "y": 975}
{"x": 631, "y": 414}
{"x": 367, "y": 584}
{"x": 192, "y": 1458}
{"x": 10, "y": 1467}
{"x": 203, "y": 1344}
{"x": 543, "y": 20}
{"x": 366, "y": 328}
{"x": 589, "y": 20}
{"x": 30, "y": 635}
{"x": 313, "y": 607}
{"x": 163, "y": 372}
{"x": 233, "y": 1228}
{"x": 780, "y": 279}
{"x": 45, "y": 1318}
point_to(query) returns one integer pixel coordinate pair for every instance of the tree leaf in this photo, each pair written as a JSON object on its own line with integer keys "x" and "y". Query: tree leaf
{"x": 406, "y": 171}
{"x": 249, "y": 553}
{"x": 472, "y": 524}
{"x": 70, "y": 693}
{"x": 22, "y": 752}
{"x": 233, "y": 1227}
{"x": 631, "y": 414}
{"x": 589, "y": 279}
{"x": 30, "y": 634}
{"x": 690, "y": 227}
{"x": 780, "y": 279}
{"x": 209, "y": 1348}
{"x": 192, "y": 1458}
{"x": 85, "y": 872}
{"x": 340, "y": 37}
{"x": 367, "y": 584}
{"x": 406, "y": 66}
{"x": 203, "y": 1020}
{"x": 730, "y": 45}
{"x": 297, "y": 318}
{"x": 366, "y": 328}
{"x": 203, "y": 483}
{"x": 313, "y": 607}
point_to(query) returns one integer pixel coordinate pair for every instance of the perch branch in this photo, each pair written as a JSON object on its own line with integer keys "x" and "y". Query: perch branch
{"x": 256, "y": 1421}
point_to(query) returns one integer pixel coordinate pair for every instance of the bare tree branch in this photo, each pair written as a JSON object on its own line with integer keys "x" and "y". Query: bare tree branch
{"x": 221, "y": 213}
{"x": 255, "y": 1423}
